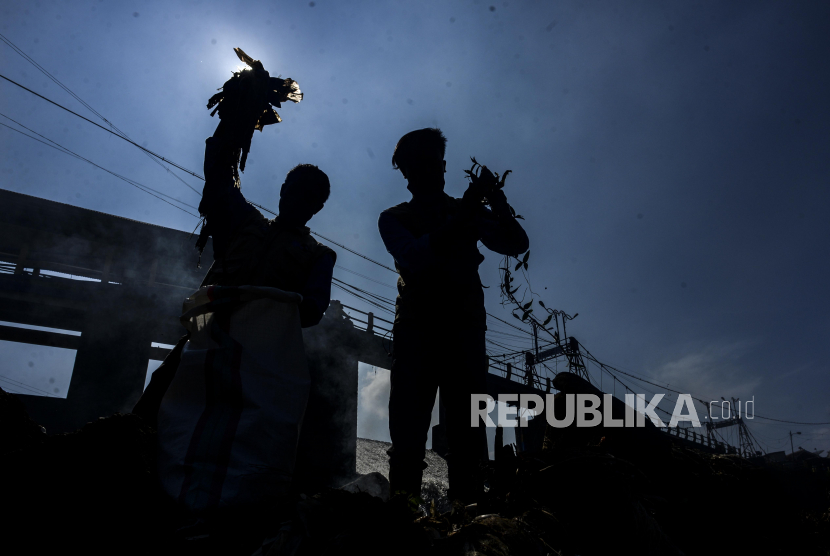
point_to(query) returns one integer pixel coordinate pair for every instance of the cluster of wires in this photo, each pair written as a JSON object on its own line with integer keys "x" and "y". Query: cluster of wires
{"x": 507, "y": 343}
{"x": 12, "y": 384}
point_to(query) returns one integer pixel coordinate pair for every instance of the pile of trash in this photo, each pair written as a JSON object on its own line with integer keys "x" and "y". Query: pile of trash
{"x": 94, "y": 491}
{"x": 372, "y": 458}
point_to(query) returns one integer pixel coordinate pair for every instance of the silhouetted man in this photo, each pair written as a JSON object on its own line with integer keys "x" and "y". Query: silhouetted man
{"x": 439, "y": 317}
{"x": 249, "y": 249}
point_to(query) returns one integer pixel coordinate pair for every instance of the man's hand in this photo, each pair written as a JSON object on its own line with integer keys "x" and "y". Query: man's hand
{"x": 481, "y": 187}
{"x": 498, "y": 202}
{"x": 245, "y": 103}
{"x": 485, "y": 178}
{"x": 473, "y": 197}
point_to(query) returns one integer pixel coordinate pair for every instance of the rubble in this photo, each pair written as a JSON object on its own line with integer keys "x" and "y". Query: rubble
{"x": 372, "y": 457}
{"x": 94, "y": 491}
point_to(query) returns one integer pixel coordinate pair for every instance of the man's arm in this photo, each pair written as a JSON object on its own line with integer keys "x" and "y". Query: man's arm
{"x": 499, "y": 232}
{"x": 499, "y": 229}
{"x": 223, "y": 204}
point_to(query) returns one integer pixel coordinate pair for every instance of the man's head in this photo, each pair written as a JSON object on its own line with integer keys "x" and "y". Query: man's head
{"x": 419, "y": 155}
{"x": 303, "y": 194}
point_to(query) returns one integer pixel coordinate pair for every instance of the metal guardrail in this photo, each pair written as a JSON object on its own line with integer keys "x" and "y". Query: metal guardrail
{"x": 519, "y": 375}
{"x": 370, "y": 322}
{"x": 697, "y": 438}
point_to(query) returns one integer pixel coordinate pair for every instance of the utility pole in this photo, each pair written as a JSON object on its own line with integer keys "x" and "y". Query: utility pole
{"x": 792, "y": 450}
{"x": 529, "y": 363}
{"x": 532, "y": 359}
{"x": 535, "y": 340}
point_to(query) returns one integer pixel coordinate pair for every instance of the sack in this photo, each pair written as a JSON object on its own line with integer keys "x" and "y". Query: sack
{"x": 228, "y": 424}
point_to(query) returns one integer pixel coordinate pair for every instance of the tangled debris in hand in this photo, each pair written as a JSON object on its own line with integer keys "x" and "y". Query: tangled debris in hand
{"x": 245, "y": 101}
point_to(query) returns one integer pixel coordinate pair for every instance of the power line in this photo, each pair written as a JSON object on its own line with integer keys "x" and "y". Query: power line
{"x": 177, "y": 166}
{"x": 500, "y": 345}
{"x": 59, "y": 147}
{"x": 194, "y": 174}
{"x": 701, "y": 400}
{"x": 125, "y": 138}
{"x": 366, "y": 277}
{"x": 148, "y": 189}
{"x": 362, "y": 298}
{"x": 788, "y": 422}
{"x": 131, "y": 182}
{"x": 182, "y": 168}
{"x": 507, "y": 347}
{"x": 90, "y": 108}
{"x": 376, "y": 297}
{"x": 32, "y": 388}
{"x": 335, "y": 243}
{"x": 509, "y": 335}
{"x": 186, "y": 170}
{"x": 508, "y": 324}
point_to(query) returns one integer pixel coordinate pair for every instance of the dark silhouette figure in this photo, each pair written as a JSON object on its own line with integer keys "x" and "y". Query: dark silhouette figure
{"x": 249, "y": 249}
{"x": 440, "y": 319}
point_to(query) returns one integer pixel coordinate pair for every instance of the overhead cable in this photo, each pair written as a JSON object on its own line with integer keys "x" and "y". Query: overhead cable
{"x": 32, "y": 388}
{"x": 119, "y": 176}
{"x": 509, "y": 324}
{"x": 366, "y": 300}
{"x": 376, "y": 297}
{"x": 194, "y": 174}
{"x": 366, "y": 277}
{"x": 182, "y": 168}
{"x": 90, "y": 108}
{"x": 701, "y": 400}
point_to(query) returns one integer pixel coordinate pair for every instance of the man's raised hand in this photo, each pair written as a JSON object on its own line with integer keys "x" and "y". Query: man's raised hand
{"x": 485, "y": 188}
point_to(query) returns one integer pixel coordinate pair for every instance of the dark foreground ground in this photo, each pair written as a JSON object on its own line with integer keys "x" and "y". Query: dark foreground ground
{"x": 93, "y": 492}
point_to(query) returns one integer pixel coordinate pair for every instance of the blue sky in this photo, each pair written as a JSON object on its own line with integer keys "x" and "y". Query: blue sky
{"x": 671, "y": 159}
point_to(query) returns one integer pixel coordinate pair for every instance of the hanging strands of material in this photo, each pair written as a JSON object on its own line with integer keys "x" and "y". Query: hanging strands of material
{"x": 245, "y": 102}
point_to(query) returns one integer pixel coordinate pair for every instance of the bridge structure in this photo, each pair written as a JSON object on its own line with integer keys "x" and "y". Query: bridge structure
{"x": 117, "y": 282}
{"x": 567, "y": 351}
{"x": 117, "y": 285}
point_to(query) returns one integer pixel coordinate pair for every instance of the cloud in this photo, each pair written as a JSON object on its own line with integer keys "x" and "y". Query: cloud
{"x": 706, "y": 373}
{"x": 374, "y": 396}
{"x": 711, "y": 371}
{"x": 373, "y": 403}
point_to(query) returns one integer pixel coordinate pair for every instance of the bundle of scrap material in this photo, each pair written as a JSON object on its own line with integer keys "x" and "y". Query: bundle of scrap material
{"x": 246, "y": 102}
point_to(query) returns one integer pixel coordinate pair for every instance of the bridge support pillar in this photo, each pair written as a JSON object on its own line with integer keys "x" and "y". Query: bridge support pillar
{"x": 110, "y": 367}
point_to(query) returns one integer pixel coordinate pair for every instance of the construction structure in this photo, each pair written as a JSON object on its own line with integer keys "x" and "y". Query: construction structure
{"x": 747, "y": 446}
{"x": 117, "y": 285}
